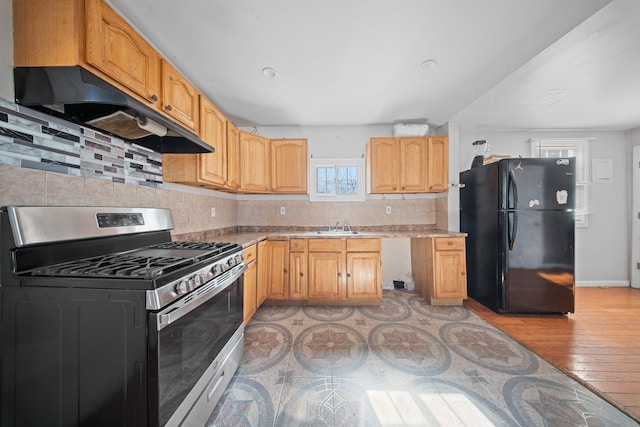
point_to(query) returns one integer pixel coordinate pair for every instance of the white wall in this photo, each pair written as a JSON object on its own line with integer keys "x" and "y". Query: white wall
{"x": 328, "y": 141}
{"x": 6, "y": 50}
{"x": 603, "y": 248}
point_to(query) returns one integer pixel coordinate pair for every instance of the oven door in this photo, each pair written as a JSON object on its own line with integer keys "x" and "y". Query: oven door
{"x": 186, "y": 340}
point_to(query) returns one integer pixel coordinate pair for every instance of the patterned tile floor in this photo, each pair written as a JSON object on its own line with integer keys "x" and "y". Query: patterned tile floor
{"x": 403, "y": 363}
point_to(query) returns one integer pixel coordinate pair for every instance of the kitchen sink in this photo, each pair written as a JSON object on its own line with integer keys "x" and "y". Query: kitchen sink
{"x": 337, "y": 232}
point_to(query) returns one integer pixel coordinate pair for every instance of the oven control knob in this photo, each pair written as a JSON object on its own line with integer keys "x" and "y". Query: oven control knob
{"x": 182, "y": 287}
{"x": 199, "y": 279}
{"x": 217, "y": 269}
{"x": 239, "y": 259}
{"x": 231, "y": 262}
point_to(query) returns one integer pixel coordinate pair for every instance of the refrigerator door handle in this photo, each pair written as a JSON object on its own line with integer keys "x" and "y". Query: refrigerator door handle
{"x": 512, "y": 188}
{"x": 513, "y": 230}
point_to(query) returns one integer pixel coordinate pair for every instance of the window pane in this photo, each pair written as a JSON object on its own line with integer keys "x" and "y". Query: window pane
{"x": 342, "y": 173}
{"x": 321, "y": 174}
{"x": 331, "y": 187}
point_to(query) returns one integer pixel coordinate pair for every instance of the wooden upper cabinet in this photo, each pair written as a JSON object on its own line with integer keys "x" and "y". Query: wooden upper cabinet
{"x": 48, "y": 33}
{"x": 289, "y": 166}
{"x": 180, "y": 99}
{"x": 438, "y": 164}
{"x": 115, "y": 48}
{"x": 254, "y": 163}
{"x": 382, "y": 165}
{"x": 412, "y": 153}
{"x": 233, "y": 156}
{"x": 213, "y": 131}
{"x": 407, "y": 165}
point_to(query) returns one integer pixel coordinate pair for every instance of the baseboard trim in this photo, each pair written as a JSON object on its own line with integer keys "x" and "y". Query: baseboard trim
{"x": 603, "y": 284}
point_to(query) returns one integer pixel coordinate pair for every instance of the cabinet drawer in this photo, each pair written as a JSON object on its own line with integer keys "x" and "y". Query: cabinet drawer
{"x": 326, "y": 245}
{"x": 449, "y": 243}
{"x": 297, "y": 245}
{"x": 363, "y": 245}
{"x": 249, "y": 254}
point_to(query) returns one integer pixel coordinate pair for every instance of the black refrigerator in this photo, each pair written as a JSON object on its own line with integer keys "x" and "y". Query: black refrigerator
{"x": 519, "y": 215}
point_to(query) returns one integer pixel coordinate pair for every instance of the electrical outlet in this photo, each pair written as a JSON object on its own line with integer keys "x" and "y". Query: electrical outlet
{"x": 283, "y": 210}
{"x": 213, "y": 212}
{"x": 388, "y": 210}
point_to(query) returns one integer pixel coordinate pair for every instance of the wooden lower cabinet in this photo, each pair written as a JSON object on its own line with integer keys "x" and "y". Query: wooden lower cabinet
{"x": 325, "y": 271}
{"x": 298, "y": 277}
{"x": 261, "y": 286}
{"x": 250, "y": 283}
{"x": 439, "y": 269}
{"x": 363, "y": 275}
{"x": 276, "y": 275}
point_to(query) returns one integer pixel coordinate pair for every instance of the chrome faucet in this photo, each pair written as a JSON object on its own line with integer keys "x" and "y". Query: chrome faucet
{"x": 337, "y": 225}
{"x": 346, "y": 226}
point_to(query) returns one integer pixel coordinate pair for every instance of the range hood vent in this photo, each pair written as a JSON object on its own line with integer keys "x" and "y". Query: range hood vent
{"x": 77, "y": 95}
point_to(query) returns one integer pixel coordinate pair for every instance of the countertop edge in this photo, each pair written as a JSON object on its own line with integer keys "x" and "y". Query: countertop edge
{"x": 246, "y": 239}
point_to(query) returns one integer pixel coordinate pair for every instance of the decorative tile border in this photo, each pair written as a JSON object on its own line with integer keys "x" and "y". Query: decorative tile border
{"x": 33, "y": 140}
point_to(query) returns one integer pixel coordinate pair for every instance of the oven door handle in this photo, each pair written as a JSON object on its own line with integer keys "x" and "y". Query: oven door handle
{"x": 184, "y": 306}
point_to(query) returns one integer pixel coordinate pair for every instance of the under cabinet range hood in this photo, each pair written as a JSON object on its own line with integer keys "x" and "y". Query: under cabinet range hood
{"x": 77, "y": 95}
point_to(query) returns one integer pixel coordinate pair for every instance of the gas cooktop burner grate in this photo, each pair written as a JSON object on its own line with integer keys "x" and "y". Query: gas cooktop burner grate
{"x": 192, "y": 245}
{"x": 115, "y": 266}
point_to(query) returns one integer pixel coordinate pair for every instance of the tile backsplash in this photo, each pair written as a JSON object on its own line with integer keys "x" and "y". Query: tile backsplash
{"x": 33, "y": 140}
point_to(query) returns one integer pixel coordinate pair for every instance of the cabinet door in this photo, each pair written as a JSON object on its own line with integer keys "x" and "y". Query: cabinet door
{"x": 363, "y": 275}
{"x": 250, "y": 291}
{"x": 233, "y": 159}
{"x": 277, "y": 264}
{"x": 450, "y": 274}
{"x": 382, "y": 161}
{"x": 180, "y": 99}
{"x": 114, "y": 48}
{"x": 412, "y": 174}
{"x": 298, "y": 275}
{"x": 289, "y": 166}
{"x": 326, "y": 271}
{"x": 213, "y": 131}
{"x": 254, "y": 163}
{"x": 438, "y": 164}
{"x": 263, "y": 271}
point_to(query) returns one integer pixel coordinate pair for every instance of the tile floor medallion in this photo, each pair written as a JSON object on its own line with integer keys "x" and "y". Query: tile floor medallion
{"x": 403, "y": 363}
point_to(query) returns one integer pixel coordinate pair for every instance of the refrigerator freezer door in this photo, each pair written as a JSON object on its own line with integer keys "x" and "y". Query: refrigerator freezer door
{"x": 538, "y": 184}
{"x": 538, "y": 270}
{"x": 479, "y": 218}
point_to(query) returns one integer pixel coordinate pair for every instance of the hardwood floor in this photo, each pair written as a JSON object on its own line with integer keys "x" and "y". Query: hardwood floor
{"x": 598, "y": 345}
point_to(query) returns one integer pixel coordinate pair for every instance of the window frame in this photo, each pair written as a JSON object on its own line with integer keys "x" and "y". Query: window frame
{"x": 581, "y": 147}
{"x": 315, "y": 163}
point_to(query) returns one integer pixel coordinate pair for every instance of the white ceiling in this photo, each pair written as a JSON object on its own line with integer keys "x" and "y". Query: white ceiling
{"x": 501, "y": 64}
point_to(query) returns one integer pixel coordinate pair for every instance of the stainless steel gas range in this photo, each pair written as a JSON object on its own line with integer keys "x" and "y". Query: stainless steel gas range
{"x": 105, "y": 321}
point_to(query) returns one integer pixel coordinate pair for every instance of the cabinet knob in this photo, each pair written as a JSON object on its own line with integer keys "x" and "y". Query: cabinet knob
{"x": 348, "y": 274}
{"x": 301, "y": 275}
{"x": 284, "y": 269}
{"x": 339, "y": 274}
{"x": 154, "y": 97}
{"x": 168, "y": 107}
